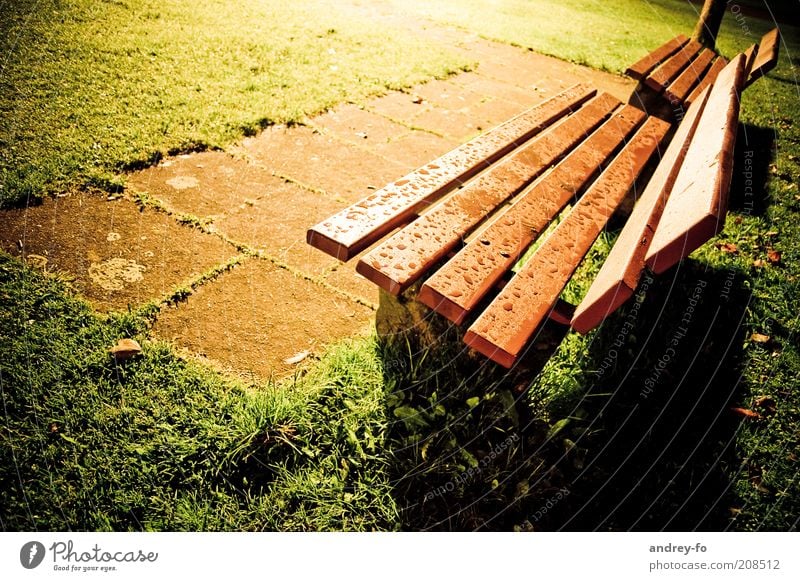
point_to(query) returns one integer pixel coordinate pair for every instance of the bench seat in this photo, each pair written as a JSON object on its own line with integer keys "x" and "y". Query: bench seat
{"x": 454, "y": 230}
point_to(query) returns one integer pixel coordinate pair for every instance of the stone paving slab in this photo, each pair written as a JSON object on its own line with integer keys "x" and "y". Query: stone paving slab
{"x": 320, "y": 161}
{"x": 399, "y": 106}
{"x": 116, "y": 254}
{"x": 355, "y": 124}
{"x": 255, "y": 316}
{"x": 276, "y": 223}
{"x": 417, "y": 148}
{"x": 203, "y": 184}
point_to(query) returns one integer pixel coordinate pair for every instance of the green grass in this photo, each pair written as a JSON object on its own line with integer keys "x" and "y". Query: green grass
{"x": 604, "y": 35}
{"x": 157, "y": 443}
{"x": 88, "y": 89}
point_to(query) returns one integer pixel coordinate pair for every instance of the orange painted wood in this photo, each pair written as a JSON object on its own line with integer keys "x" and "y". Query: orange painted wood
{"x": 641, "y": 68}
{"x": 456, "y": 288}
{"x": 715, "y": 68}
{"x": 749, "y": 59}
{"x": 620, "y": 274}
{"x": 667, "y": 71}
{"x": 767, "y": 56}
{"x": 507, "y": 324}
{"x": 680, "y": 88}
{"x": 402, "y": 259}
{"x": 695, "y": 210}
{"x": 353, "y": 229}
{"x": 562, "y": 312}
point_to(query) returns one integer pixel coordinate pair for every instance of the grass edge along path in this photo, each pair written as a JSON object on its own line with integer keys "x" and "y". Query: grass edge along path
{"x": 160, "y": 443}
{"x": 88, "y": 89}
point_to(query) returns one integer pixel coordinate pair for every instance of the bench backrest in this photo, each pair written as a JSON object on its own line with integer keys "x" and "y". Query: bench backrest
{"x": 684, "y": 204}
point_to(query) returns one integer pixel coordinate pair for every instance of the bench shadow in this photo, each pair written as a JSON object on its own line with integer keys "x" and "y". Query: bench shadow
{"x": 661, "y": 450}
{"x": 753, "y": 155}
{"x": 459, "y": 423}
{"x": 643, "y": 440}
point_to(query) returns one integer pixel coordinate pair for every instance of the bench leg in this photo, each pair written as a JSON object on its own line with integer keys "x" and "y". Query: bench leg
{"x": 409, "y": 332}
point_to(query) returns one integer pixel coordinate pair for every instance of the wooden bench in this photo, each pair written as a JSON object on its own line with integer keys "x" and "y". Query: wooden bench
{"x": 680, "y": 69}
{"x": 466, "y": 218}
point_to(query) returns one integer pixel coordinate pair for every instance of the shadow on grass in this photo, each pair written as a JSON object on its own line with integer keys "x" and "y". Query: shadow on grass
{"x": 755, "y": 151}
{"x": 613, "y": 431}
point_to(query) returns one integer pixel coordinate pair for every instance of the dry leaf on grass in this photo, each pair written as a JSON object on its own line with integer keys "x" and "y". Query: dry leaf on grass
{"x": 746, "y": 414}
{"x": 297, "y": 357}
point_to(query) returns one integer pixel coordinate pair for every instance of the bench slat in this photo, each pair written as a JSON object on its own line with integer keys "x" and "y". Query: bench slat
{"x": 767, "y": 56}
{"x": 353, "y": 229}
{"x": 402, "y": 259}
{"x": 695, "y": 210}
{"x": 716, "y": 67}
{"x": 504, "y": 328}
{"x": 660, "y": 78}
{"x": 682, "y": 86}
{"x": 620, "y": 274}
{"x": 455, "y": 289}
{"x": 749, "y": 58}
{"x": 641, "y": 68}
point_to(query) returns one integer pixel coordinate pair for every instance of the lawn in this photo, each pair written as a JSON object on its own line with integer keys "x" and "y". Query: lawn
{"x": 88, "y": 89}
{"x": 378, "y": 436}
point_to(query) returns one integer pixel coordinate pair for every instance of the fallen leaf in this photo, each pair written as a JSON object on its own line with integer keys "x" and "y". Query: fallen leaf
{"x": 759, "y": 338}
{"x": 728, "y": 247}
{"x": 125, "y": 349}
{"x": 758, "y": 484}
{"x": 773, "y": 256}
{"x": 765, "y": 402}
{"x": 758, "y": 263}
{"x": 297, "y": 357}
{"x": 747, "y": 414}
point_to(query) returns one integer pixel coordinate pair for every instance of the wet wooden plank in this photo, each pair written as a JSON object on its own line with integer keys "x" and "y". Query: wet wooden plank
{"x": 695, "y": 210}
{"x": 715, "y": 68}
{"x": 749, "y": 59}
{"x": 505, "y": 327}
{"x": 667, "y": 71}
{"x": 681, "y": 87}
{"x": 619, "y": 276}
{"x": 767, "y": 56}
{"x": 642, "y": 67}
{"x": 347, "y": 233}
{"x": 402, "y": 259}
{"x": 458, "y": 286}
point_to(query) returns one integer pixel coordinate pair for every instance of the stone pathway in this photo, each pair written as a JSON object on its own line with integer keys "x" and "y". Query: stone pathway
{"x": 228, "y": 228}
